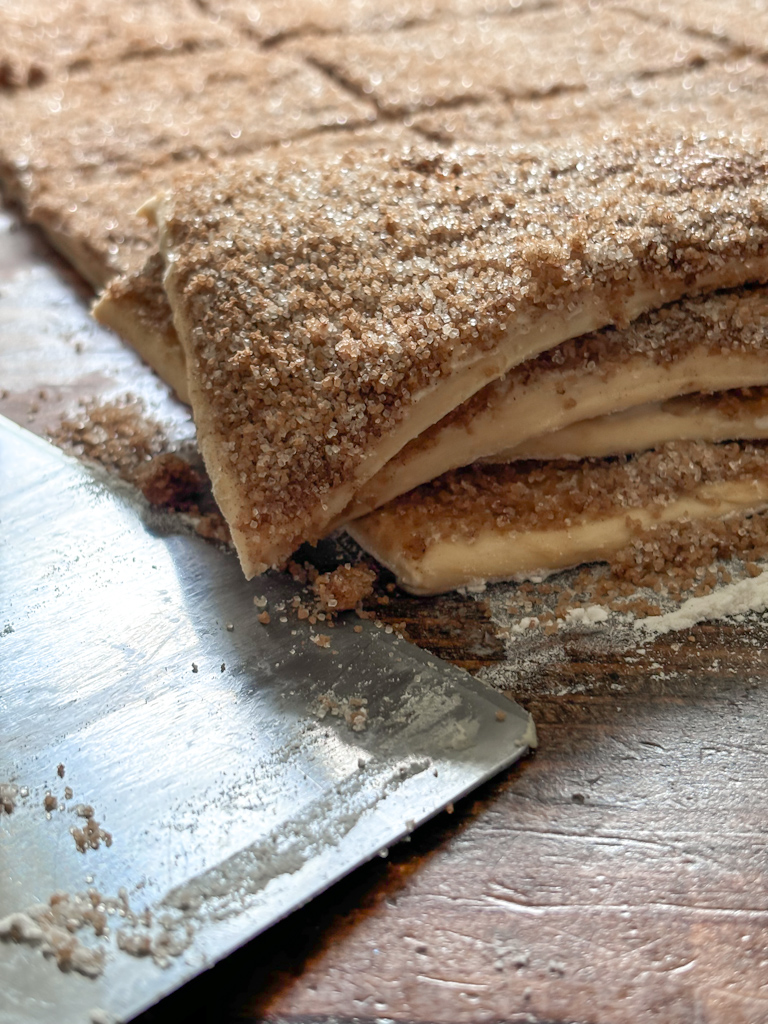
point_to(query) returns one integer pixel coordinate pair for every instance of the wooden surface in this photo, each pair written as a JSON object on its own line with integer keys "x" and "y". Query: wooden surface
{"x": 620, "y": 874}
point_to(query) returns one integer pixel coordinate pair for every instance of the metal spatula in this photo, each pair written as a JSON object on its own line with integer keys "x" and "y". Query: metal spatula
{"x": 215, "y": 773}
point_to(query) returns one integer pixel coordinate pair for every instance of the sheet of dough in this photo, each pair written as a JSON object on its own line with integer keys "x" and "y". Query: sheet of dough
{"x": 497, "y": 522}
{"x": 275, "y": 20}
{"x": 81, "y": 155}
{"x": 46, "y": 40}
{"x": 135, "y": 304}
{"x": 730, "y": 95}
{"x": 330, "y": 313}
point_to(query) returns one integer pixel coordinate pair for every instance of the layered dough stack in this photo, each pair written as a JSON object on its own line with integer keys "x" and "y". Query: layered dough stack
{"x": 486, "y": 344}
{"x": 372, "y": 322}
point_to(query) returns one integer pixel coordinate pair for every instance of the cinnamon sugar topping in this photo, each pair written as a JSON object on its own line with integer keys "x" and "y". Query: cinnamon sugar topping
{"x": 531, "y": 496}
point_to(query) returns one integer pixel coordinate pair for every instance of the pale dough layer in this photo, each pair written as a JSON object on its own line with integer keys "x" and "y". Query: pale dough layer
{"x": 495, "y": 555}
{"x": 687, "y": 418}
{"x": 506, "y": 430}
{"x": 137, "y": 308}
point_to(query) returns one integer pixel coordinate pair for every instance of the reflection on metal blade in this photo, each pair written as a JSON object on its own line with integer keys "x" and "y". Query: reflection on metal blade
{"x": 212, "y": 753}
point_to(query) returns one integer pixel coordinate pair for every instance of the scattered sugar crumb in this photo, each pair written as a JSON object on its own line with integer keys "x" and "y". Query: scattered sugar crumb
{"x": 169, "y": 481}
{"x": 54, "y": 928}
{"x": 344, "y": 588}
{"x": 8, "y": 795}
{"x": 352, "y": 709}
{"x": 116, "y": 434}
{"x": 91, "y": 835}
{"x": 589, "y": 616}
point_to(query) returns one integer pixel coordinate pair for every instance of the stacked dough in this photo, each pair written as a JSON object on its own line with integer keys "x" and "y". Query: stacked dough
{"x": 390, "y": 277}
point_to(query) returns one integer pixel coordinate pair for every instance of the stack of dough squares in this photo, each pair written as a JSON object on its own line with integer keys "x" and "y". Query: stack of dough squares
{"x": 483, "y": 284}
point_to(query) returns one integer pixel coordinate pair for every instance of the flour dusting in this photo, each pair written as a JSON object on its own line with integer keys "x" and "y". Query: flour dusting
{"x": 749, "y": 595}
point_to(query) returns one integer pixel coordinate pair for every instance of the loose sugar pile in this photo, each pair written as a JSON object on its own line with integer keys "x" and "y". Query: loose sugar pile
{"x": 120, "y": 437}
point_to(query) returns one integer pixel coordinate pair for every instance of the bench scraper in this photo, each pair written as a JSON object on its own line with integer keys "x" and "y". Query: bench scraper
{"x": 194, "y": 741}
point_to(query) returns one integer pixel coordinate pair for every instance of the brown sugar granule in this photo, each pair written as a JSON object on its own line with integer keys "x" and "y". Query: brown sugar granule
{"x": 8, "y": 794}
{"x": 169, "y": 481}
{"x": 91, "y": 835}
{"x": 297, "y": 572}
{"x": 50, "y": 803}
{"x": 321, "y": 640}
{"x": 345, "y": 587}
{"x": 356, "y": 714}
{"x": 212, "y": 526}
{"x": 264, "y": 618}
{"x": 118, "y": 435}
{"x": 348, "y": 288}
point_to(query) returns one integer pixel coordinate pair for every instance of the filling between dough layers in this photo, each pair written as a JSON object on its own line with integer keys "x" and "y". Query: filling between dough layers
{"x": 709, "y": 344}
{"x": 725, "y": 416}
{"x": 499, "y": 522}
